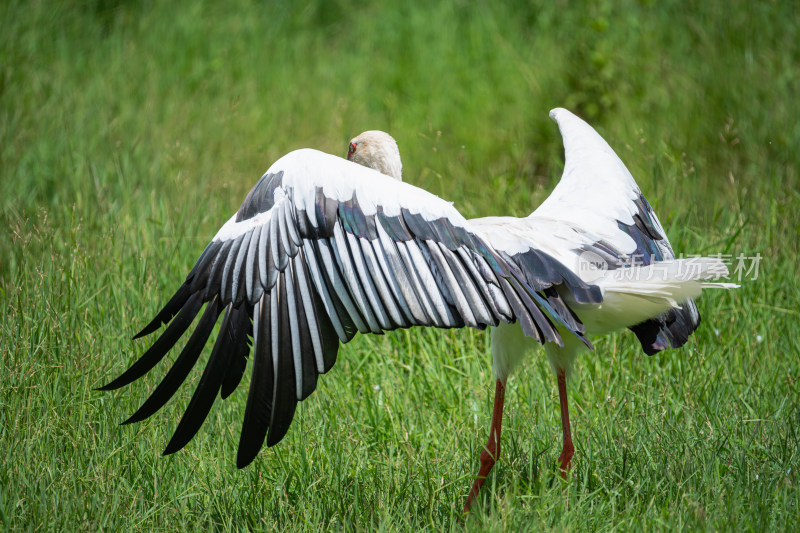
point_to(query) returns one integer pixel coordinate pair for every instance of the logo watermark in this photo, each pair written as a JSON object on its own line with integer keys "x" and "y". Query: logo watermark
{"x": 642, "y": 267}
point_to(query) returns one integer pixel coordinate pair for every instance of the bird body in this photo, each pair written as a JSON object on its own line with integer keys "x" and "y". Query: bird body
{"x": 323, "y": 248}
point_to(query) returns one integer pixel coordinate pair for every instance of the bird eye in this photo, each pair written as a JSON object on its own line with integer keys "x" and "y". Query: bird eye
{"x": 351, "y": 150}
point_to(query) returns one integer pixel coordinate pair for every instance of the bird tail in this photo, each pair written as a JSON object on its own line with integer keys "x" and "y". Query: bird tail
{"x": 642, "y": 292}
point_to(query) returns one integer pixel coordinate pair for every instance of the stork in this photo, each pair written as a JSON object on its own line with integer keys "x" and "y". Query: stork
{"x": 324, "y": 247}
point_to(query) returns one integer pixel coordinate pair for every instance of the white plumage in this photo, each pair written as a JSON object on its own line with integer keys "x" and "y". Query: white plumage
{"x": 323, "y": 247}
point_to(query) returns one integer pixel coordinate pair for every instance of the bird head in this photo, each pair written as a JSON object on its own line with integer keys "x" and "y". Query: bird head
{"x": 376, "y": 150}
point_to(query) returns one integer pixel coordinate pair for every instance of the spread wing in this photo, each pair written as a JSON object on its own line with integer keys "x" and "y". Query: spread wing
{"x": 322, "y": 248}
{"x": 598, "y": 199}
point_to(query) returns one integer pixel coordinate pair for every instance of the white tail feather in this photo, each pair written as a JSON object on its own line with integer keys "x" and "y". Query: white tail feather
{"x": 676, "y": 280}
{"x": 633, "y": 295}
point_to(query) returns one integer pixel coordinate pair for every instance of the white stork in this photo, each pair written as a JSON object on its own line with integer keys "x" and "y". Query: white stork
{"x": 323, "y": 247}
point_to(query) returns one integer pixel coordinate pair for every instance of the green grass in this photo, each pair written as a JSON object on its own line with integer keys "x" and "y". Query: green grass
{"x": 130, "y": 131}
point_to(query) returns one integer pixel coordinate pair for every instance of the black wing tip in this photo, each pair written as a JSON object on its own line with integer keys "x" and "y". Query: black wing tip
{"x": 670, "y": 330}
{"x": 591, "y": 295}
{"x": 584, "y": 340}
{"x": 159, "y": 320}
{"x": 173, "y": 447}
{"x": 147, "y": 330}
{"x": 243, "y": 459}
{"x": 115, "y": 384}
{"x": 246, "y": 456}
{"x": 131, "y": 420}
{"x": 277, "y": 434}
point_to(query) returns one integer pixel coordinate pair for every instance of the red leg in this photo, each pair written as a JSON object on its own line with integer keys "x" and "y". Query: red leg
{"x": 491, "y": 453}
{"x": 568, "y": 450}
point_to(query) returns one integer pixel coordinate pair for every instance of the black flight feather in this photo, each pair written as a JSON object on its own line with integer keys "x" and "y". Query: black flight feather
{"x": 206, "y": 391}
{"x": 542, "y": 322}
{"x": 237, "y": 348}
{"x": 162, "y": 345}
{"x": 307, "y": 358}
{"x": 183, "y": 364}
{"x": 227, "y": 272}
{"x": 214, "y": 282}
{"x": 284, "y": 394}
{"x": 168, "y": 311}
{"x": 522, "y": 314}
{"x": 258, "y": 411}
{"x": 327, "y": 333}
{"x": 238, "y": 283}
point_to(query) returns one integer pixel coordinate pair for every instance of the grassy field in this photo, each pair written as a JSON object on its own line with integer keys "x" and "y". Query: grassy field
{"x": 129, "y": 131}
